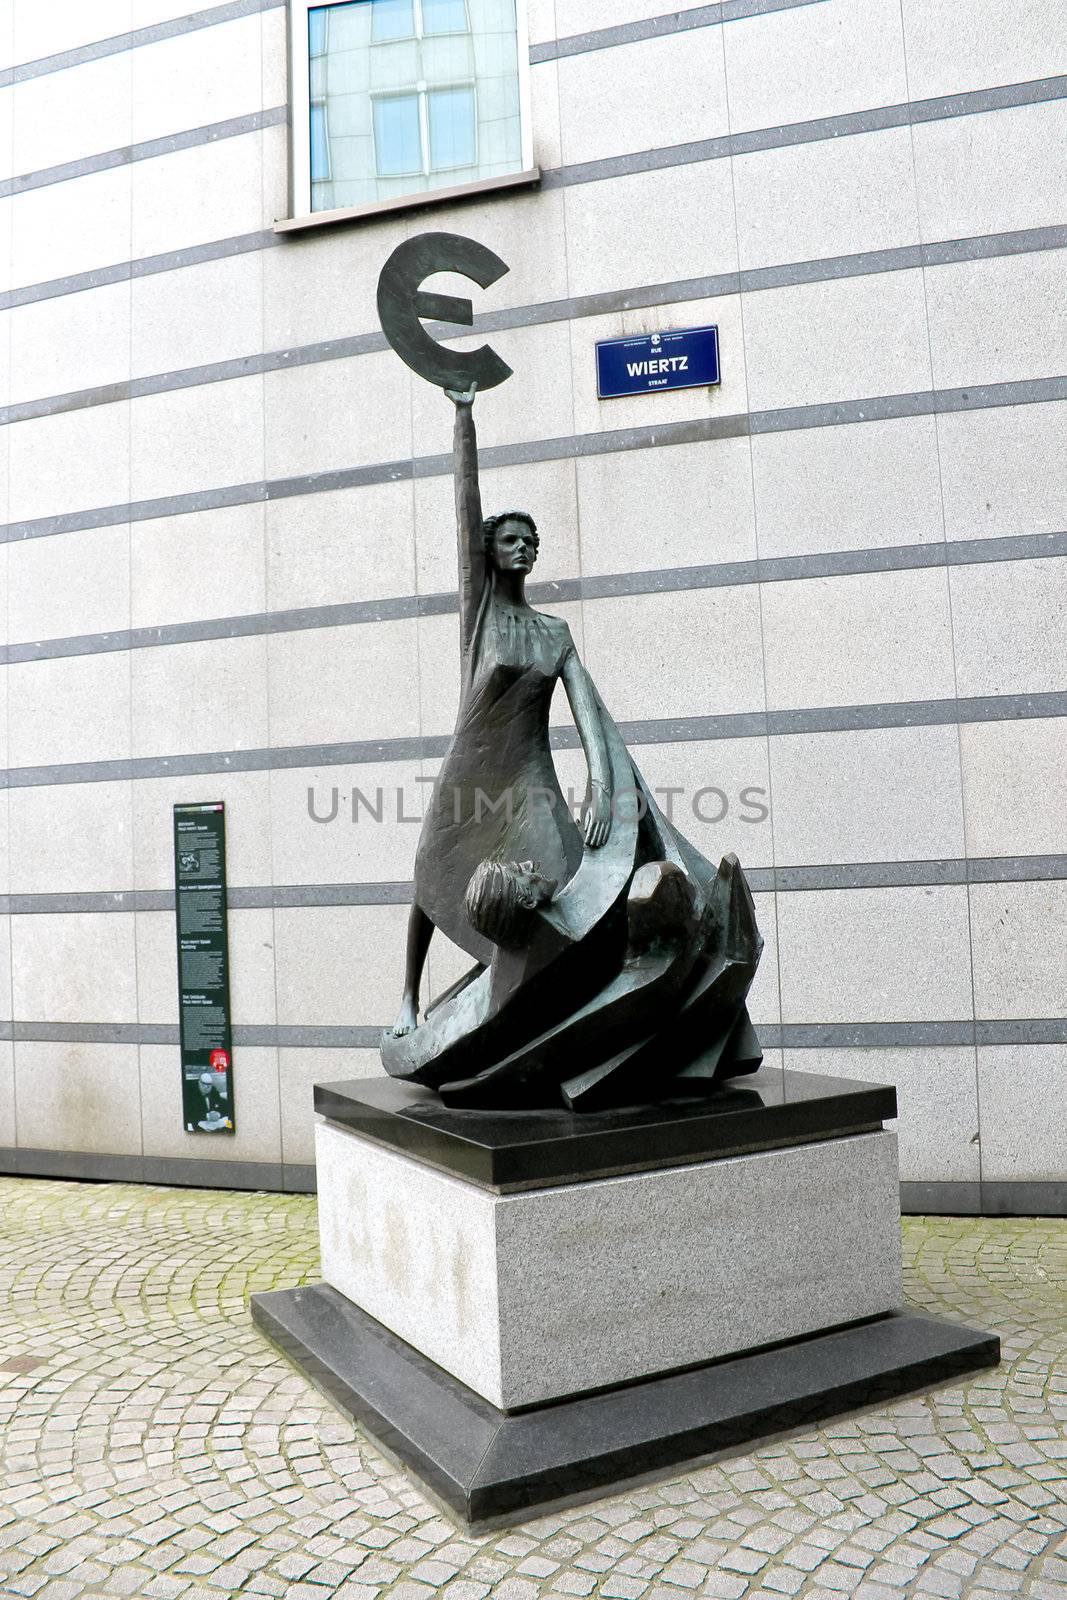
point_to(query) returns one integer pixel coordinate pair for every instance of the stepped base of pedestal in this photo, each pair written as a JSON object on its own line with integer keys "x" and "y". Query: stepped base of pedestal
{"x": 491, "y": 1466}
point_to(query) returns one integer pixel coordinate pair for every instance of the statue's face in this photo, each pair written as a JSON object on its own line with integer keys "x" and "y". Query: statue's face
{"x": 514, "y": 547}
{"x": 534, "y": 887}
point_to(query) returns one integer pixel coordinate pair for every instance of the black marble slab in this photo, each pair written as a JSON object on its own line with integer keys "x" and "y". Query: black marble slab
{"x": 491, "y": 1466}
{"x": 511, "y": 1150}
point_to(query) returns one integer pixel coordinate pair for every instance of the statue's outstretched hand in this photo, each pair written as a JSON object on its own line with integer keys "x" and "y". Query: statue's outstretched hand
{"x": 461, "y": 397}
{"x": 596, "y": 818}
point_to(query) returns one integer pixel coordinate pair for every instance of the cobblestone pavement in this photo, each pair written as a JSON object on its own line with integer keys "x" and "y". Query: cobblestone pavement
{"x": 153, "y": 1445}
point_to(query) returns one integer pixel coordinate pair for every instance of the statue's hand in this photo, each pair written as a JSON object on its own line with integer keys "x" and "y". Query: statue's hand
{"x": 460, "y": 397}
{"x": 596, "y": 818}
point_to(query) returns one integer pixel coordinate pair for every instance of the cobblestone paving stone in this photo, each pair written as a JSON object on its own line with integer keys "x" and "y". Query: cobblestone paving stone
{"x": 153, "y": 1446}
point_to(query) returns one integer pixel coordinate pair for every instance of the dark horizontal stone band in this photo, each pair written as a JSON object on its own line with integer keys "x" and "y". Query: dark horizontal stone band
{"x": 202, "y": 1172}
{"x": 1036, "y": 1198}
{"x": 988, "y": 1197}
{"x": 600, "y": 39}
{"x": 661, "y": 580}
{"x": 675, "y": 730}
{"x": 816, "y": 130}
{"x": 708, "y": 16}
{"x": 119, "y": 43}
{"x": 773, "y": 1036}
{"x": 147, "y": 150}
{"x": 850, "y": 875}
{"x": 234, "y": 127}
{"x": 975, "y": 102}
{"x": 751, "y": 281}
{"x": 786, "y": 419}
{"x": 143, "y": 267}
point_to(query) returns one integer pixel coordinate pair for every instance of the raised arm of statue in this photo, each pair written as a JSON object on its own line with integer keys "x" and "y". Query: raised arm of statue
{"x": 472, "y": 575}
{"x": 596, "y": 820}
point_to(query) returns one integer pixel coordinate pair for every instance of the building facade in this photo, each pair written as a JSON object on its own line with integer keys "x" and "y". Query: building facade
{"x": 824, "y": 599}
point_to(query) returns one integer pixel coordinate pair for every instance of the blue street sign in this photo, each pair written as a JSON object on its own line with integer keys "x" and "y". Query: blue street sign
{"x": 685, "y": 358}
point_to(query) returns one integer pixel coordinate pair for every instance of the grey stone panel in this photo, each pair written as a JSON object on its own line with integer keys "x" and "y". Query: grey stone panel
{"x": 89, "y": 1166}
{"x": 945, "y": 1199}
{"x": 298, "y": 1178}
{"x": 707, "y": 16}
{"x": 231, "y": 128}
{"x": 1037, "y": 1199}
{"x": 937, "y": 253}
{"x": 850, "y": 123}
{"x": 118, "y": 43}
{"x": 916, "y": 1199}
{"x": 144, "y": 267}
{"x": 793, "y": 1035}
{"x": 727, "y": 574}
{"x": 737, "y": 725}
{"x": 174, "y": 27}
{"x": 851, "y": 875}
{"x": 591, "y": 171}
{"x": 782, "y": 419}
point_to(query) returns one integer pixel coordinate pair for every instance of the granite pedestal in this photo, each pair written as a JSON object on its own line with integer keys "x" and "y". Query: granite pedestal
{"x": 528, "y": 1306}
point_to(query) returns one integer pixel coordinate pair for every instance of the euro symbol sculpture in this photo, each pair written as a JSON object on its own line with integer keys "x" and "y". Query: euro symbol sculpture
{"x": 402, "y": 304}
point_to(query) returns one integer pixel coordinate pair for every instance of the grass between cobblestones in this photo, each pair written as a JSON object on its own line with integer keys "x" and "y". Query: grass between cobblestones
{"x": 154, "y": 1446}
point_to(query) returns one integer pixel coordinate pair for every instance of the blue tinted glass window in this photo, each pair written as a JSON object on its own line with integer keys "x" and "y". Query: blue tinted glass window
{"x": 397, "y": 142}
{"x": 452, "y": 140}
{"x": 392, "y": 19}
{"x": 320, "y": 145}
{"x": 444, "y": 16}
{"x": 317, "y": 31}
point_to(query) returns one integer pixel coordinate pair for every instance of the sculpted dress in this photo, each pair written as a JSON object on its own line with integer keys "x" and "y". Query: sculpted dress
{"x": 497, "y": 796}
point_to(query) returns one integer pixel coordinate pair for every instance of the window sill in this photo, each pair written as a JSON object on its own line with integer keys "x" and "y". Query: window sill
{"x": 409, "y": 202}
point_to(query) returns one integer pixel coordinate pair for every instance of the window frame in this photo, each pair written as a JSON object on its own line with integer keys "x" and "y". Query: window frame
{"x": 301, "y": 213}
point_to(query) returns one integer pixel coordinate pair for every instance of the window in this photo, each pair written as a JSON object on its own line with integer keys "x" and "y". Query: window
{"x": 444, "y": 16}
{"x": 402, "y": 97}
{"x": 410, "y": 19}
{"x": 453, "y": 128}
{"x": 397, "y": 141}
{"x": 391, "y": 19}
{"x": 422, "y": 133}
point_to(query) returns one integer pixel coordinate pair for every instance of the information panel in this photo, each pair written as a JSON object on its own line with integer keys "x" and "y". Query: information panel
{"x": 203, "y": 968}
{"x": 685, "y": 358}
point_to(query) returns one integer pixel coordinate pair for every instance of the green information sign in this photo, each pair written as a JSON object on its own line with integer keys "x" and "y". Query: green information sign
{"x": 203, "y": 968}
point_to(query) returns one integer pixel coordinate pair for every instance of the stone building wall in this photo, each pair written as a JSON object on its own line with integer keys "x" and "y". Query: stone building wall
{"x": 825, "y": 600}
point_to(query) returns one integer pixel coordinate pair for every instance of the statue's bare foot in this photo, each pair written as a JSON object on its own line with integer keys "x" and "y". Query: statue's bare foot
{"x": 407, "y": 1018}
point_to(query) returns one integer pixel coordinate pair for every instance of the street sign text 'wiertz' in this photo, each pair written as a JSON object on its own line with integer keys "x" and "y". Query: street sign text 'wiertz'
{"x": 683, "y": 358}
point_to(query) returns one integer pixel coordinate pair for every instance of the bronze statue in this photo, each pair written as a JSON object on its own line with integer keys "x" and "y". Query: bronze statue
{"x": 612, "y": 961}
{"x": 497, "y": 797}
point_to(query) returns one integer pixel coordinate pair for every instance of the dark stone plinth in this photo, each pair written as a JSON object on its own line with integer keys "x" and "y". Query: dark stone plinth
{"x": 491, "y": 1466}
{"x": 508, "y": 1150}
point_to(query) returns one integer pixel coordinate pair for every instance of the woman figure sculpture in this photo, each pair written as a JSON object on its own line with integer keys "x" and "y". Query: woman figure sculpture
{"x": 497, "y": 798}
{"x": 612, "y": 960}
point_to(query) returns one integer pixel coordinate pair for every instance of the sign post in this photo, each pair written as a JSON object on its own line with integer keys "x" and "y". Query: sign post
{"x": 203, "y": 968}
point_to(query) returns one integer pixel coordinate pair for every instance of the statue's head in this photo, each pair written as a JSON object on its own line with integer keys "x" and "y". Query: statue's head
{"x": 502, "y": 897}
{"x": 511, "y": 541}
